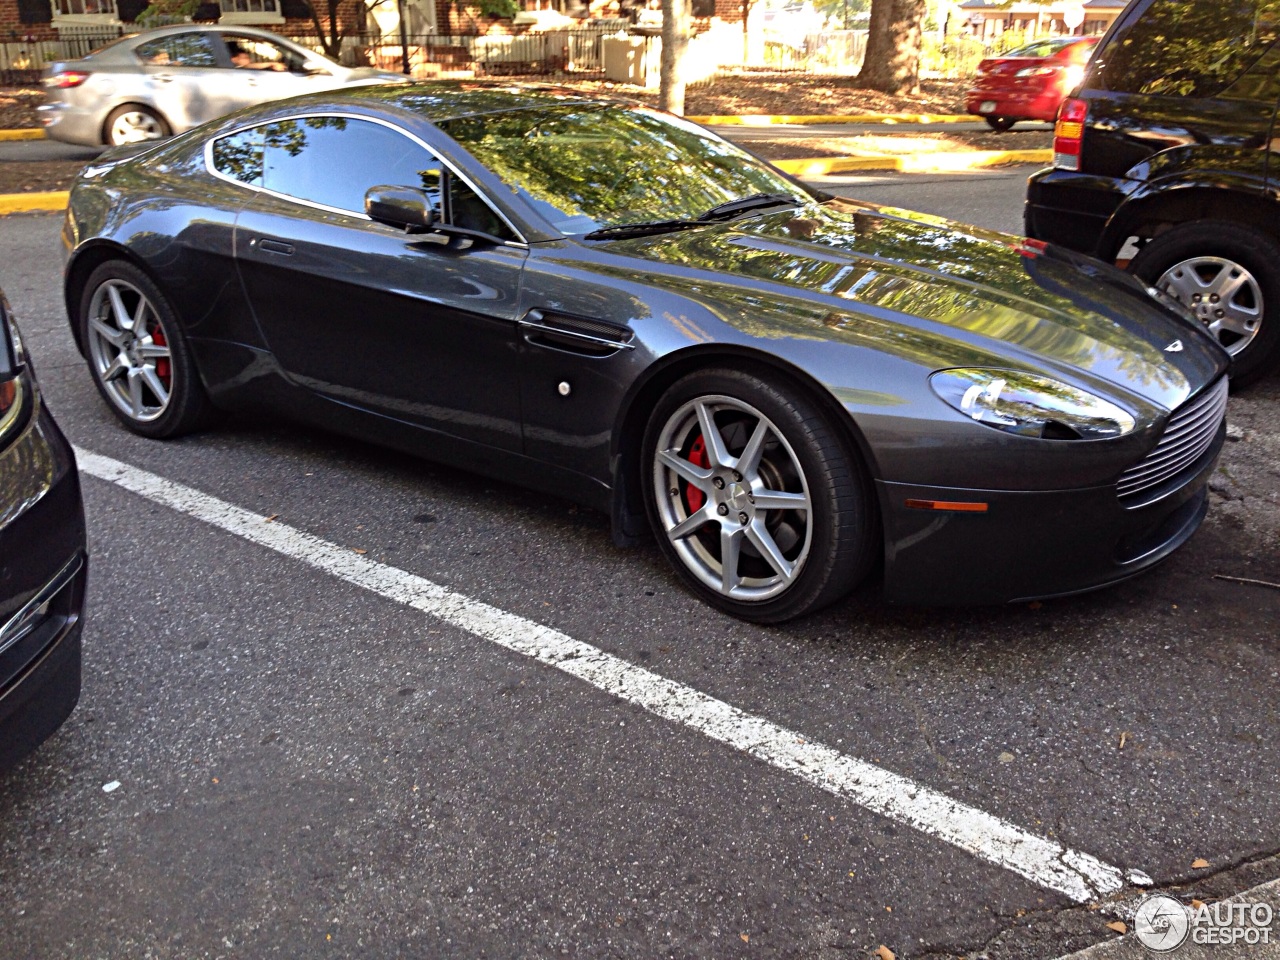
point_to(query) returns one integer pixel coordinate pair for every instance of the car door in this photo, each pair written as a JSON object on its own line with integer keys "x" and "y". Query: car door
{"x": 272, "y": 72}
{"x": 182, "y": 75}
{"x": 420, "y": 327}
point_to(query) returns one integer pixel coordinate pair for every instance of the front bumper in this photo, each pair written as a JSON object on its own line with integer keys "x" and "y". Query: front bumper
{"x": 42, "y": 587}
{"x": 1033, "y": 545}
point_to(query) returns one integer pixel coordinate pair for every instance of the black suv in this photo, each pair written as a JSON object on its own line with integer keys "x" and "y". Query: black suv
{"x": 1166, "y": 160}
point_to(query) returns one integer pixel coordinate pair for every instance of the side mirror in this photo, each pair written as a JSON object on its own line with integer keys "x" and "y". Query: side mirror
{"x": 313, "y": 69}
{"x": 404, "y": 208}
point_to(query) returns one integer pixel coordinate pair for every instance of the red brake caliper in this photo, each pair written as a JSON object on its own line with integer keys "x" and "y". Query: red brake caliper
{"x": 694, "y": 497}
{"x": 162, "y": 363}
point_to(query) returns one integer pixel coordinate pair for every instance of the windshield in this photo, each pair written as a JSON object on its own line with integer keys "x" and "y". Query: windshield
{"x": 585, "y": 166}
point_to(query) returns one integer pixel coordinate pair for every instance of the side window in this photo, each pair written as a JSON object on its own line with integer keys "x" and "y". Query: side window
{"x": 180, "y": 50}
{"x": 332, "y": 161}
{"x": 239, "y": 156}
{"x": 1189, "y": 48}
{"x": 466, "y": 209}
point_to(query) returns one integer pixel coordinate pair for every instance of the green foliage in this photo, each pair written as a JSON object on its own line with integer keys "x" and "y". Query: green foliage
{"x": 498, "y": 8}
{"x": 163, "y": 12}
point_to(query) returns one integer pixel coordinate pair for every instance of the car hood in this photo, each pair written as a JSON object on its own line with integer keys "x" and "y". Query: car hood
{"x": 947, "y": 294}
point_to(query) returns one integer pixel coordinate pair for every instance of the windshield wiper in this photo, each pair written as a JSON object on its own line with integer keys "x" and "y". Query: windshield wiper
{"x": 643, "y": 229}
{"x": 757, "y": 201}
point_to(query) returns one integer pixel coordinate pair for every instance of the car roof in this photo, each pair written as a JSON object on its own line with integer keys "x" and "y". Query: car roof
{"x": 440, "y": 100}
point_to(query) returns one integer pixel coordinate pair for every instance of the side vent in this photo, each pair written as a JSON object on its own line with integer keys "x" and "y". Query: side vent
{"x": 580, "y": 335}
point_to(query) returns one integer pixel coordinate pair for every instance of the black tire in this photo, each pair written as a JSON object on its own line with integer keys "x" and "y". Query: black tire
{"x": 148, "y": 378}
{"x": 1184, "y": 256}
{"x": 828, "y": 547}
{"x": 1000, "y": 124}
{"x": 132, "y": 123}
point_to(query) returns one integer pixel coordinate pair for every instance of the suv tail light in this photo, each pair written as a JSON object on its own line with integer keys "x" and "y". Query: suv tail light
{"x": 1068, "y": 134}
{"x": 67, "y": 78}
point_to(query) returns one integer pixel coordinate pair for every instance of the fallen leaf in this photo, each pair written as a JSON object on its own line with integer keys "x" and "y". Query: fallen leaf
{"x": 359, "y": 551}
{"x": 1199, "y": 863}
{"x": 1123, "y": 737}
{"x": 744, "y": 938}
{"x": 1118, "y": 926}
{"x": 884, "y": 953}
{"x": 889, "y": 909}
{"x": 270, "y": 518}
{"x": 1005, "y": 757}
{"x": 215, "y": 779}
{"x": 1196, "y": 904}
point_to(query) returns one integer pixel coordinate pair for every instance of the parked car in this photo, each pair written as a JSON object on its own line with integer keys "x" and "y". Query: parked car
{"x": 611, "y": 304}
{"x": 42, "y": 559}
{"x": 161, "y": 82}
{"x": 1165, "y": 160}
{"x": 1028, "y": 83}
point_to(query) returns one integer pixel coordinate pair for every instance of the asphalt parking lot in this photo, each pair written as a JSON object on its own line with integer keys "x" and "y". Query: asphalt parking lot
{"x": 420, "y": 713}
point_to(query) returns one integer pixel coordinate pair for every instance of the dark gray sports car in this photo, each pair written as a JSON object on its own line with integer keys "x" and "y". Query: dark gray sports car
{"x": 611, "y": 304}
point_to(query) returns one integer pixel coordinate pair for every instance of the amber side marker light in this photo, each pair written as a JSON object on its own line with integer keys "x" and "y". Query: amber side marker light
{"x": 955, "y": 506}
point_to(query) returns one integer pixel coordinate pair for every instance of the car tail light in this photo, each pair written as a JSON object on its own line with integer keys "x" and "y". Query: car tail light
{"x": 67, "y": 78}
{"x": 1068, "y": 134}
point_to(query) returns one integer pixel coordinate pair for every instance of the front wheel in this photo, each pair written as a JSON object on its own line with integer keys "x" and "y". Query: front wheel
{"x": 1228, "y": 275}
{"x": 757, "y": 502}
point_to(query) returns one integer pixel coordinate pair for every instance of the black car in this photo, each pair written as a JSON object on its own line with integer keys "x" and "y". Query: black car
{"x": 612, "y": 304}
{"x": 1166, "y": 158}
{"x": 42, "y": 560}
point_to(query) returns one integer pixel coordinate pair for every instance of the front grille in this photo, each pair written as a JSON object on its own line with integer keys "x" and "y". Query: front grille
{"x": 1187, "y": 436}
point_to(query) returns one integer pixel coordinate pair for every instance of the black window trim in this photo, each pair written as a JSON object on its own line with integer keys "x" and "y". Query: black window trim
{"x": 449, "y": 167}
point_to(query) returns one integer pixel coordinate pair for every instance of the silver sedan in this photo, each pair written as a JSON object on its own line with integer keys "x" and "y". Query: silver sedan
{"x": 161, "y": 82}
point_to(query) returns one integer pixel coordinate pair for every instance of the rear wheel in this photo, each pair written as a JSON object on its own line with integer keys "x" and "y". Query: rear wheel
{"x": 138, "y": 355}
{"x": 1228, "y": 275}
{"x": 134, "y": 123}
{"x": 755, "y": 500}
{"x": 1001, "y": 124}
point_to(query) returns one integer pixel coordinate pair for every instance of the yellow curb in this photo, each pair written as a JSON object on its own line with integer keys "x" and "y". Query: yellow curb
{"x": 53, "y": 201}
{"x": 937, "y": 162}
{"x": 766, "y": 120}
{"x": 28, "y": 133}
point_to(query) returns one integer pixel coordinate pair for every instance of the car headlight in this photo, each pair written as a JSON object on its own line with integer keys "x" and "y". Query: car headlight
{"x": 1031, "y": 406}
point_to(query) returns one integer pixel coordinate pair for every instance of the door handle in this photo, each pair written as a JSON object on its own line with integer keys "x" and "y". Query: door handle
{"x": 276, "y": 246}
{"x": 163, "y": 77}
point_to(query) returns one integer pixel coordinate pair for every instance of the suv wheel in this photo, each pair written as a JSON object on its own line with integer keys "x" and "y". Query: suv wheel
{"x": 1228, "y": 275}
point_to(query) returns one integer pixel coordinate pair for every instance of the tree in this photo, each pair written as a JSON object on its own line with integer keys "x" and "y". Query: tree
{"x": 677, "y": 24}
{"x": 892, "y": 63}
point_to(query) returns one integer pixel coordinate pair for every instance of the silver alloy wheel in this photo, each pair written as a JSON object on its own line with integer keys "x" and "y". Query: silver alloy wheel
{"x": 135, "y": 126}
{"x": 1222, "y": 294}
{"x": 733, "y": 498}
{"x": 129, "y": 351}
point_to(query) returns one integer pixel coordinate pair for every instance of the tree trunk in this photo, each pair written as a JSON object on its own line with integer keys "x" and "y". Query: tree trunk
{"x": 676, "y": 27}
{"x": 892, "y": 63}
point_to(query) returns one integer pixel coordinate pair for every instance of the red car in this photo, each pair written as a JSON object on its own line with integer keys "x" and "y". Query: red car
{"x": 1030, "y": 82}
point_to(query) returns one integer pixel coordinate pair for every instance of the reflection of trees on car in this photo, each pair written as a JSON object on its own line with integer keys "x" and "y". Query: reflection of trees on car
{"x": 612, "y": 166}
{"x": 1194, "y": 49}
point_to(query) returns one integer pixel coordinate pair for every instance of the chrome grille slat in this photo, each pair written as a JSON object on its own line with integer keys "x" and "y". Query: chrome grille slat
{"x": 1188, "y": 434}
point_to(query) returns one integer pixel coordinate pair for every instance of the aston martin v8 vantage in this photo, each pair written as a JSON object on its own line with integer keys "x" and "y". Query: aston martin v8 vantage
{"x": 611, "y": 304}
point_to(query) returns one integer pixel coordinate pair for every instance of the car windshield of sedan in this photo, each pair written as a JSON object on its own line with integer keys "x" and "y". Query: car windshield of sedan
{"x": 590, "y": 166}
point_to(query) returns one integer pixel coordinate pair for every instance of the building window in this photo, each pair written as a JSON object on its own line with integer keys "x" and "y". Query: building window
{"x": 270, "y": 8}
{"x": 75, "y": 8}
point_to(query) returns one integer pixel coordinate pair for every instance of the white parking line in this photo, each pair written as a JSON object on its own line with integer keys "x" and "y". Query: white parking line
{"x": 1043, "y": 861}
